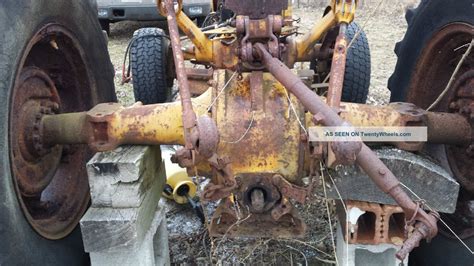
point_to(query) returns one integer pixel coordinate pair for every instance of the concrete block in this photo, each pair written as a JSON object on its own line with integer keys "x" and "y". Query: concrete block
{"x": 109, "y": 229}
{"x": 423, "y": 176}
{"x": 153, "y": 250}
{"x": 372, "y": 223}
{"x": 120, "y": 178}
{"x": 366, "y": 255}
{"x": 160, "y": 244}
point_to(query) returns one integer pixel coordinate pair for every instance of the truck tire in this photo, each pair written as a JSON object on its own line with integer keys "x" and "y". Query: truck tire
{"x": 357, "y": 74}
{"x": 151, "y": 67}
{"x": 61, "y": 41}
{"x": 427, "y": 57}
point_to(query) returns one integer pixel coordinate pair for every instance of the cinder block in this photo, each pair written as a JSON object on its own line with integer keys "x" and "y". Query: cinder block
{"x": 115, "y": 228}
{"x": 120, "y": 178}
{"x": 366, "y": 255}
{"x": 153, "y": 250}
{"x": 160, "y": 244}
{"x": 372, "y": 223}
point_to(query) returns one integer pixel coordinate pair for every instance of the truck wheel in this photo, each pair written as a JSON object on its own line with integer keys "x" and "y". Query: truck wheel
{"x": 53, "y": 58}
{"x": 434, "y": 43}
{"x": 357, "y": 74}
{"x": 152, "y": 68}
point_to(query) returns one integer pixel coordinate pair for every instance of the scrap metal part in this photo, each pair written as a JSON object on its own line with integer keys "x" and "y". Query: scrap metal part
{"x": 372, "y": 165}
{"x": 233, "y": 220}
{"x": 255, "y": 173}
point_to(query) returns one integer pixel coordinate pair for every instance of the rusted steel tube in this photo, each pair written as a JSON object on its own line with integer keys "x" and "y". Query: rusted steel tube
{"x": 113, "y": 125}
{"x": 188, "y": 116}
{"x": 442, "y": 128}
{"x": 309, "y": 99}
{"x": 384, "y": 179}
{"x": 367, "y": 159}
{"x": 447, "y": 128}
{"x": 338, "y": 68}
{"x": 421, "y": 231}
{"x": 65, "y": 128}
{"x": 307, "y": 41}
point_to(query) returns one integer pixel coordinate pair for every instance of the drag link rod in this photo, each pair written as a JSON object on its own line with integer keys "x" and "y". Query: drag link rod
{"x": 188, "y": 116}
{"x": 366, "y": 158}
{"x": 338, "y": 68}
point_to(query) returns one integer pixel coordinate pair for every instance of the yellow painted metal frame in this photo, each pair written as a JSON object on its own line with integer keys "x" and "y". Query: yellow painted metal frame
{"x": 237, "y": 113}
{"x": 205, "y": 50}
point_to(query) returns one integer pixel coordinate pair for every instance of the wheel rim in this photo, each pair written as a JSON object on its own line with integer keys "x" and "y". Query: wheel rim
{"x": 51, "y": 182}
{"x": 432, "y": 72}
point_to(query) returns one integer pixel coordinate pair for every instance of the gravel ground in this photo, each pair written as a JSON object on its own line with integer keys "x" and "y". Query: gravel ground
{"x": 189, "y": 241}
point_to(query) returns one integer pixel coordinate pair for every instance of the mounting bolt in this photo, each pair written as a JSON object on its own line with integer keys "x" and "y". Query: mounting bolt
{"x": 318, "y": 118}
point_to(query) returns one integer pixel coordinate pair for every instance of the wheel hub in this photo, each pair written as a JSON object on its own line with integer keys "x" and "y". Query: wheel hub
{"x": 34, "y": 164}
{"x": 460, "y": 157}
{"x": 433, "y": 71}
{"x": 50, "y": 181}
{"x": 434, "y": 68}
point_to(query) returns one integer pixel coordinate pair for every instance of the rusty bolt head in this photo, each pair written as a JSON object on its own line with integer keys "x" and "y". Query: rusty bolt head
{"x": 223, "y": 161}
{"x": 318, "y": 118}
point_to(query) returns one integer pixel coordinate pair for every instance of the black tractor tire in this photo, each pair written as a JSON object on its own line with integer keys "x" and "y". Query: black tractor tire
{"x": 152, "y": 69}
{"x": 424, "y": 22}
{"x": 357, "y": 74}
{"x": 105, "y": 25}
{"x": 19, "y": 21}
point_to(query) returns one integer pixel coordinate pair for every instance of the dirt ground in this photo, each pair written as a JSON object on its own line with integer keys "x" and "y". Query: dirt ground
{"x": 189, "y": 241}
